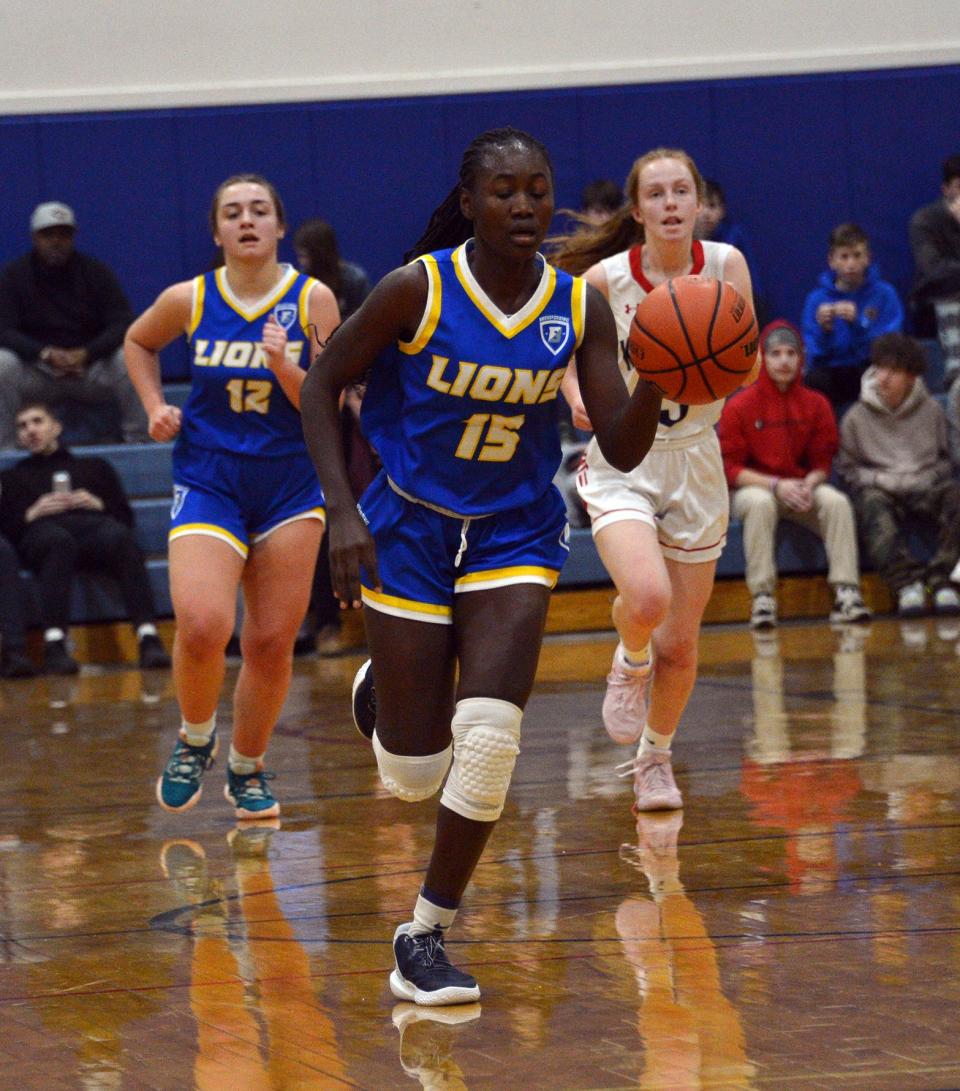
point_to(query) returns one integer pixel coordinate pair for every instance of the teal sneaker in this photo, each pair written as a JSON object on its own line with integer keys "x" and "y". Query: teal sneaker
{"x": 248, "y": 792}
{"x": 178, "y": 788}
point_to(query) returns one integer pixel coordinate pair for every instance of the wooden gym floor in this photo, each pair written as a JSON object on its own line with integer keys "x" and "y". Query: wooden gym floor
{"x": 796, "y": 926}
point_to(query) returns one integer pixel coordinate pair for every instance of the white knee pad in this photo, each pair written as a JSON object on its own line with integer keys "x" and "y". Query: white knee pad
{"x": 411, "y": 778}
{"x": 486, "y": 741}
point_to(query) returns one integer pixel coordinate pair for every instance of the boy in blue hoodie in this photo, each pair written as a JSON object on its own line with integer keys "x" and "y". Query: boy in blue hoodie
{"x": 850, "y": 307}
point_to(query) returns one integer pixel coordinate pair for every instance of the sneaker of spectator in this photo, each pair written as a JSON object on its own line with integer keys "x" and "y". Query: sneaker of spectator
{"x": 151, "y": 653}
{"x": 849, "y": 606}
{"x": 57, "y": 660}
{"x": 763, "y": 612}
{"x": 912, "y": 600}
{"x": 946, "y": 601}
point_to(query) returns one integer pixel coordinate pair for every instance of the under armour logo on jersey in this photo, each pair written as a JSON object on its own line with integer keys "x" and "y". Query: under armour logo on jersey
{"x": 554, "y": 331}
{"x": 285, "y": 314}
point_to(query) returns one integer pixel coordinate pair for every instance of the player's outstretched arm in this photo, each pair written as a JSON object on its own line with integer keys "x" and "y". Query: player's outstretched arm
{"x": 625, "y": 425}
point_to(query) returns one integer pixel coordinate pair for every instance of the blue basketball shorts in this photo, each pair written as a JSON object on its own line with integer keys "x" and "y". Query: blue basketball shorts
{"x": 425, "y": 557}
{"x": 240, "y": 499}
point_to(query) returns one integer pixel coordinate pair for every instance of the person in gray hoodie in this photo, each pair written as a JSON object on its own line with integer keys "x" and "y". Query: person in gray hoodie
{"x": 894, "y": 460}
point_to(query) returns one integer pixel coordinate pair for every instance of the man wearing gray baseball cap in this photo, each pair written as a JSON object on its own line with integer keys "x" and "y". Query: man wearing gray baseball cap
{"x": 63, "y": 316}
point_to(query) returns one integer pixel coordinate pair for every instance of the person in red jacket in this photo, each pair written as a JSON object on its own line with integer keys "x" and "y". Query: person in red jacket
{"x": 778, "y": 439}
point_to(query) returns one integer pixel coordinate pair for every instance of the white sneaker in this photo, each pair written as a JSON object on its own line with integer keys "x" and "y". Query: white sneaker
{"x": 849, "y": 606}
{"x": 946, "y": 601}
{"x": 912, "y": 600}
{"x": 653, "y": 784}
{"x": 763, "y": 613}
{"x": 625, "y": 702}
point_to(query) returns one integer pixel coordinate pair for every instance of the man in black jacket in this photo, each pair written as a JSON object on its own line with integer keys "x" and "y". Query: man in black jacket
{"x": 63, "y": 512}
{"x": 63, "y": 316}
{"x": 935, "y": 241}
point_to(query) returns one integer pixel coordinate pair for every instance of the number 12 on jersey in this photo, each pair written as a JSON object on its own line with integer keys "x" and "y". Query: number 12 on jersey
{"x": 249, "y": 395}
{"x": 489, "y": 437}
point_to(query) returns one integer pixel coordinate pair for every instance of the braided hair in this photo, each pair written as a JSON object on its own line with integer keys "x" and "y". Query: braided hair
{"x": 448, "y": 226}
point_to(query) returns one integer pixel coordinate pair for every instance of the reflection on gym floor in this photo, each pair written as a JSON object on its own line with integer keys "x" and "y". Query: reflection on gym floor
{"x": 794, "y": 926}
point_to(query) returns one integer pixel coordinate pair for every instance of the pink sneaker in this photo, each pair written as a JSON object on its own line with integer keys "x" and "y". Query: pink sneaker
{"x": 625, "y": 702}
{"x": 653, "y": 783}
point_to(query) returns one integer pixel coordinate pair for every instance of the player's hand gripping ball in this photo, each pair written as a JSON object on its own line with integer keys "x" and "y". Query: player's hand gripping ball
{"x": 695, "y": 338}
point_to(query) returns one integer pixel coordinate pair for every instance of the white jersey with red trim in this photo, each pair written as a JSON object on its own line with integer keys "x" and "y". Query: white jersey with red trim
{"x": 679, "y": 425}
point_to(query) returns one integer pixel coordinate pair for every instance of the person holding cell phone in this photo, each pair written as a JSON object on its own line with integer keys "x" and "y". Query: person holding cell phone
{"x": 65, "y": 513}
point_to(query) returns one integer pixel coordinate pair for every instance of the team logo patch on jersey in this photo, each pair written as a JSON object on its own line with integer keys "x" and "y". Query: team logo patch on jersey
{"x": 179, "y": 496}
{"x": 285, "y": 314}
{"x": 554, "y": 331}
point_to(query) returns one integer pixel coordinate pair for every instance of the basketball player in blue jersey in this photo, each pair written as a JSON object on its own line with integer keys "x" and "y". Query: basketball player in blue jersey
{"x": 455, "y": 546}
{"x": 660, "y": 528}
{"x": 247, "y": 507}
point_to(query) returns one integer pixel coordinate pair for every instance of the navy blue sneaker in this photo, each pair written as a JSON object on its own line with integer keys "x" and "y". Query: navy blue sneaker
{"x": 423, "y": 972}
{"x": 365, "y": 701}
{"x": 248, "y": 792}
{"x": 178, "y": 788}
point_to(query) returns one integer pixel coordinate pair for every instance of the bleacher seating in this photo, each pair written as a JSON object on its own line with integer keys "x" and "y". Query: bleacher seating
{"x": 145, "y": 470}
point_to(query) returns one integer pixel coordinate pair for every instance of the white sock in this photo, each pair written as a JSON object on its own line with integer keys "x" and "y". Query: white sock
{"x": 242, "y": 765}
{"x": 146, "y": 629}
{"x": 653, "y": 740}
{"x": 198, "y": 734}
{"x": 637, "y": 659}
{"x": 54, "y": 634}
{"x": 427, "y": 915}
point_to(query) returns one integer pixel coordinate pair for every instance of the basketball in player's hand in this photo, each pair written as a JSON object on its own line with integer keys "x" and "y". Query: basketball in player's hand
{"x": 695, "y": 338}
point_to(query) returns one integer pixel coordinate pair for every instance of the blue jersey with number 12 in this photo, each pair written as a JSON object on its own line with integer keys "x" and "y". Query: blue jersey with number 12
{"x": 236, "y": 403}
{"x": 464, "y": 415}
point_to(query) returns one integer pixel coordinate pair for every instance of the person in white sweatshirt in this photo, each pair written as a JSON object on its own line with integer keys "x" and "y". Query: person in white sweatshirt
{"x": 894, "y": 460}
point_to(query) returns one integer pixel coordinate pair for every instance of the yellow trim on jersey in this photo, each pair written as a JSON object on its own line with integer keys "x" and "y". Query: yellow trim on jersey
{"x": 508, "y": 325}
{"x": 212, "y": 531}
{"x": 199, "y": 293}
{"x": 261, "y": 308}
{"x": 495, "y": 577}
{"x": 431, "y": 313}
{"x": 578, "y": 309}
{"x": 393, "y": 604}
{"x": 303, "y": 304}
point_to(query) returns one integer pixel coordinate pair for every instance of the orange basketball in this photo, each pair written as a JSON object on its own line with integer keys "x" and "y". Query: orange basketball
{"x": 695, "y": 338}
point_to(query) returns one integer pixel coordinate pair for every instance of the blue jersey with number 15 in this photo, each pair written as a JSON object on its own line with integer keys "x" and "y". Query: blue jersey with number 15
{"x": 235, "y": 402}
{"x": 464, "y": 415}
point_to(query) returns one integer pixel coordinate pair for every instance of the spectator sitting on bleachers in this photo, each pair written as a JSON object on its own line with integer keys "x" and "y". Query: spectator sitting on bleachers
{"x": 849, "y": 308}
{"x": 599, "y": 200}
{"x": 64, "y": 512}
{"x": 14, "y": 661}
{"x": 714, "y": 223}
{"x": 63, "y": 315}
{"x": 894, "y": 459}
{"x": 935, "y": 242}
{"x": 778, "y": 441}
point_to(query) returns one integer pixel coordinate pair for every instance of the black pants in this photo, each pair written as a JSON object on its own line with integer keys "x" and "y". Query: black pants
{"x": 12, "y": 631}
{"x": 56, "y": 547}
